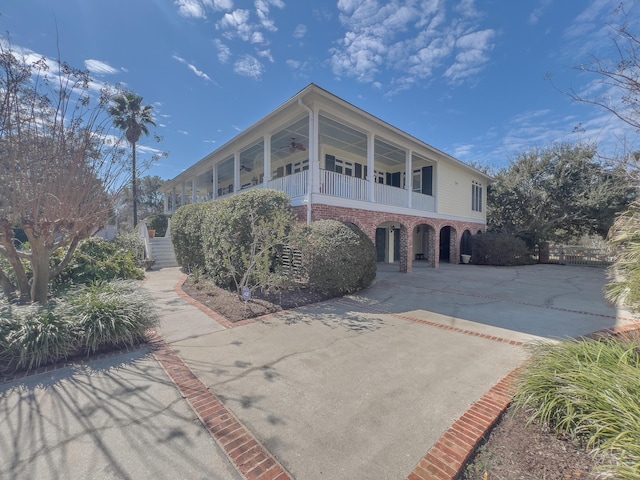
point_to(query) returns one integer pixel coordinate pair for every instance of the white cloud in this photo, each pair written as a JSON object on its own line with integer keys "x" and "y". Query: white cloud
{"x": 190, "y": 8}
{"x": 224, "y": 53}
{"x": 257, "y": 37}
{"x": 472, "y": 55}
{"x": 412, "y": 38}
{"x": 535, "y": 15}
{"x": 263, "y": 10}
{"x": 198, "y": 8}
{"x": 466, "y": 8}
{"x": 99, "y": 67}
{"x": 300, "y": 31}
{"x": 237, "y": 23}
{"x": 249, "y": 66}
{"x": 193, "y": 68}
{"x": 266, "y": 54}
{"x": 300, "y": 69}
{"x": 463, "y": 151}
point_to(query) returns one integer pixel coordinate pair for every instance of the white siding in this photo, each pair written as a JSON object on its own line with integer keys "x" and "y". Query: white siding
{"x": 454, "y": 192}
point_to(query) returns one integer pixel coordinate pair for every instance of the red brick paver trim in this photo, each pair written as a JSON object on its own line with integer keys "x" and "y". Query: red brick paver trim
{"x": 448, "y": 457}
{"x": 245, "y": 452}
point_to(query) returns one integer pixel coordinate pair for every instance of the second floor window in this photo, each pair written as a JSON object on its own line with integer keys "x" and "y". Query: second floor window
{"x": 476, "y": 196}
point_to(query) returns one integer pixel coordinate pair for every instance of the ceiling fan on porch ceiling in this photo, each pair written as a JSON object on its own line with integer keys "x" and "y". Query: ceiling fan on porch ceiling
{"x": 293, "y": 146}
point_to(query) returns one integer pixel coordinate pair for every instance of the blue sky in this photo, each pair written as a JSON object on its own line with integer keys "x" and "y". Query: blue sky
{"x": 468, "y": 77}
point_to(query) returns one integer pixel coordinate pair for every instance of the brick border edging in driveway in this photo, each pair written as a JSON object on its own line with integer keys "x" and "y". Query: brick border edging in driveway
{"x": 244, "y": 451}
{"x": 448, "y": 457}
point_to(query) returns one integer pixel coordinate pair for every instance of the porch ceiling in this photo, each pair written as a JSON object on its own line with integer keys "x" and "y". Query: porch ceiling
{"x": 331, "y": 133}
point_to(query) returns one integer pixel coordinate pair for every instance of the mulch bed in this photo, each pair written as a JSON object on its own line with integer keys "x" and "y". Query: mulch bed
{"x": 234, "y": 309}
{"x": 515, "y": 451}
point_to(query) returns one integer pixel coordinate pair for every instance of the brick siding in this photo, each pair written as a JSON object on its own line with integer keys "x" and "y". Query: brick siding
{"x": 368, "y": 221}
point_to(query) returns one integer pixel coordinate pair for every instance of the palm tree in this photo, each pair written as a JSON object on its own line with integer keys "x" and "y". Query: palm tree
{"x": 131, "y": 117}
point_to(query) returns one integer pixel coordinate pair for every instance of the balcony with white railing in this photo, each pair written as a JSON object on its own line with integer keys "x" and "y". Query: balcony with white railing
{"x": 420, "y": 201}
{"x": 294, "y": 185}
{"x": 388, "y": 195}
{"x": 352, "y": 188}
{"x": 344, "y": 186}
{"x": 338, "y": 185}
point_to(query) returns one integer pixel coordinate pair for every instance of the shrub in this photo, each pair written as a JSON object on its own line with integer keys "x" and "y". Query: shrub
{"x": 132, "y": 244}
{"x": 33, "y": 335}
{"x": 159, "y": 223}
{"x": 242, "y": 236}
{"x": 186, "y": 236}
{"x": 588, "y": 390}
{"x": 99, "y": 260}
{"x": 112, "y": 314}
{"x": 87, "y": 318}
{"x": 338, "y": 258}
{"x": 499, "y": 249}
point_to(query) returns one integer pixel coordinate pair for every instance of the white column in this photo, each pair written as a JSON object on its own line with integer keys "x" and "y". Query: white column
{"x": 183, "y": 194}
{"x": 236, "y": 172}
{"x": 408, "y": 177}
{"x": 194, "y": 190}
{"x": 166, "y": 202}
{"x": 214, "y": 181}
{"x": 314, "y": 150}
{"x": 371, "y": 142}
{"x": 173, "y": 200}
{"x": 266, "y": 160}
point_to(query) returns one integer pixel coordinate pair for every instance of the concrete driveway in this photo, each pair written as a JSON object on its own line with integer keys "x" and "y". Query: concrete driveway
{"x": 360, "y": 387}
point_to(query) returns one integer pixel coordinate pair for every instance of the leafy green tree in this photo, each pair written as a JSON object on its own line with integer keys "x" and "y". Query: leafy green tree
{"x": 56, "y": 167}
{"x": 617, "y": 90}
{"x": 557, "y": 193}
{"x": 130, "y": 116}
{"x": 150, "y": 200}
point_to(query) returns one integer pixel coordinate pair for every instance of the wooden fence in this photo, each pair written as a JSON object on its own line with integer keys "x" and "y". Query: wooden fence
{"x": 580, "y": 255}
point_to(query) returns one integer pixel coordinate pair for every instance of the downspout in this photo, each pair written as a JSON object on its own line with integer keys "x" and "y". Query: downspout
{"x": 312, "y": 149}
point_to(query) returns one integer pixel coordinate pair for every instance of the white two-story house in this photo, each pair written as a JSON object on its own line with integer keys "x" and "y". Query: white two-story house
{"x": 336, "y": 161}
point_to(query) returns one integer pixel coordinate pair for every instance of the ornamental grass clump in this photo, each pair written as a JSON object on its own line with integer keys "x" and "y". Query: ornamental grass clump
{"x": 34, "y": 335}
{"x": 588, "y": 391}
{"x": 85, "y": 320}
{"x": 112, "y": 314}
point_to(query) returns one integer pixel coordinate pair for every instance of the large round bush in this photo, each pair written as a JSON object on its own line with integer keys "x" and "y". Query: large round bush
{"x": 338, "y": 258}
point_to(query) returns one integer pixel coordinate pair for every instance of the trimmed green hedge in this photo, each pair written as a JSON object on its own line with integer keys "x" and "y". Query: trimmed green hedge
{"x": 242, "y": 236}
{"x": 186, "y": 234}
{"x": 500, "y": 250}
{"x": 338, "y": 258}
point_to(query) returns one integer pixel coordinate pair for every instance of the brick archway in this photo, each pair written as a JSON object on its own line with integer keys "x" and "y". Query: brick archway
{"x": 369, "y": 220}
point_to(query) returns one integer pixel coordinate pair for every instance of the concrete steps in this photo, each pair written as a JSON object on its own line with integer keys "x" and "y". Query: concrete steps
{"x": 162, "y": 252}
